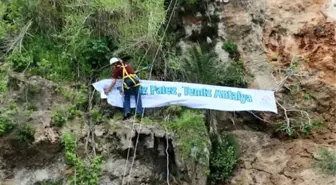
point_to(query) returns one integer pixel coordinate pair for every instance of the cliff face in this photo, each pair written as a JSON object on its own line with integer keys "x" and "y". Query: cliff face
{"x": 271, "y": 35}
{"x": 133, "y": 154}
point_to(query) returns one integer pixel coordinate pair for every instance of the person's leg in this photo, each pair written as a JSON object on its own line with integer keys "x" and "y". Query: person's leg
{"x": 127, "y": 104}
{"x": 138, "y": 101}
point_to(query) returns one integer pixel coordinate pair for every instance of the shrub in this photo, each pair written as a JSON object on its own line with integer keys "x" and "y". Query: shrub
{"x": 6, "y": 126}
{"x": 224, "y": 158}
{"x": 234, "y": 75}
{"x": 327, "y": 163}
{"x": 25, "y": 133}
{"x": 59, "y": 117}
{"x": 85, "y": 173}
{"x": 230, "y": 47}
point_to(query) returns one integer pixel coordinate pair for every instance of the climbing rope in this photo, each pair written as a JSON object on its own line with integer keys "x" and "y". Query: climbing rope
{"x": 167, "y": 154}
{"x": 133, "y": 123}
{"x": 150, "y": 75}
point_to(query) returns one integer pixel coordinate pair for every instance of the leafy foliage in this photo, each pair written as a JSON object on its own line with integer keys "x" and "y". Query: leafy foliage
{"x": 6, "y": 125}
{"x": 61, "y": 116}
{"x": 299, "y": 126}
{"x": 327, "y": 162}
{"x": 69, "y": 40}
{"x": 85, "y": 173}
{"x": 25, "y": 133}
{"x": 224, "y": 158}
{"x": 230, "y": 47}
{"x": 193, "y": 136}
{"x": 234, "y": 75}
{"x": 3, "y": 79}
{"x": 199, "y": 66}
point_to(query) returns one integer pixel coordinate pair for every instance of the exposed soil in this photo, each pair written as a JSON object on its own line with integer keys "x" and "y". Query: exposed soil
{"x": 270, "y": 35}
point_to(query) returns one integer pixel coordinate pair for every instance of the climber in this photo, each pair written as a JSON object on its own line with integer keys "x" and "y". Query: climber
{"x": 130, "y": 86}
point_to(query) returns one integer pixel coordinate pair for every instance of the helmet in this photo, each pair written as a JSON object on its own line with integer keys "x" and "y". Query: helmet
{"x": 114, "y": 60}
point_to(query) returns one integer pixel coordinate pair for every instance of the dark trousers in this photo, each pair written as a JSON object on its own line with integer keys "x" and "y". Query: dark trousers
{"x": 133, "y": 91}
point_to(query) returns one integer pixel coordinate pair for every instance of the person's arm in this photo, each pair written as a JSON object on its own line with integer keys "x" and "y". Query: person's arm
{"x": 107, "y": 90}
{"x": 114, "y": 80}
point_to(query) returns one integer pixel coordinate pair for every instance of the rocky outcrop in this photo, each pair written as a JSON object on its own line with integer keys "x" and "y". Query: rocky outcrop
{"x": 243, "y": 24}
{"x": 270, "y": 35}
{"x": 133, "y": 154}
{"x": 267, "y": 161}
{"x": 126, "y": 159}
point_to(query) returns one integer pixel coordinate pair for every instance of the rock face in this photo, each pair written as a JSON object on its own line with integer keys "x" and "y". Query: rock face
{"x": 133, "y": 154}
{"x": 271, "y": 34}
{"x": 243, "y": 24}
{"x": 269, "y": 161}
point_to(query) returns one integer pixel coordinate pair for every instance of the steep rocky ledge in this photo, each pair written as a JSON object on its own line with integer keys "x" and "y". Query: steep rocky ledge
{"x": 43, "y": 158}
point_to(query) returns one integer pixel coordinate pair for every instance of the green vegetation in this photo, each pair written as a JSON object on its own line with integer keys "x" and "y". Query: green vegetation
{"x": 87, "y": 172}
{"x": 96, "y": 116}
{"x": 62, "y": 41}
{"x": 29, "y": 106}
{"x": 3, "y": 73}
{"x": 199, "y": 64}
{"x": 298, "y": 127}
{"x": 25, "y": 133}
{"x": 6, "y": 125}
{"x": 224, "y": 158}
{"x": 230, "y": 47}
{"x": 234, "y": 75}
{"x": 3, "y": 83}
{"x": 327, "y": 162}
{"x": 9, "y": 125}
{"x": 192, "y": 135}
{"x": 61, "y": 116}
{"x": 48, "y": 182}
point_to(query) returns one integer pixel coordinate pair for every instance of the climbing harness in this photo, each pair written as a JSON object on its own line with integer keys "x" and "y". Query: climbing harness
{"x": 129, "y": 80}
{"x": 133, "y": 125}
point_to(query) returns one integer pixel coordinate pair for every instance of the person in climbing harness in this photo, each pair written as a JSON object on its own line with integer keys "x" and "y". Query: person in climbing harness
{"x": 131, "y": 86}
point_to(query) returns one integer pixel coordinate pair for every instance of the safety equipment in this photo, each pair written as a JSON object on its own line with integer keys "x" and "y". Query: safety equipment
{"x": 114, "y": 60}
{"x": 129, "y": 80}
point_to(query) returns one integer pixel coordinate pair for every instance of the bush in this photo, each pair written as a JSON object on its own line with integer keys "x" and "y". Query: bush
{"x": 69, "y": 42}
{"x": 327, "y": 163}
{"x": 25, "y": 133}
{"x": 224, "y": 158}
{"x": 59, "y": 117}
{"x": 230, "y": 47}
{"x": 234, "y": 75}
{"x": 6, "y": 126}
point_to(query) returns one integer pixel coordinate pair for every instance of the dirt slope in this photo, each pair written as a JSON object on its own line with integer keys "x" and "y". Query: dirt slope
{"x": 270, "y": 34}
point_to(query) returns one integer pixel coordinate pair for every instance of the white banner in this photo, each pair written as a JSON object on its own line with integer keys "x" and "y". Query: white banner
{"x": 198, "y": 96}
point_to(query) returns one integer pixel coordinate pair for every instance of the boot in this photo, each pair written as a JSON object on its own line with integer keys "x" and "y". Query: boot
{"x": 126, "y": 117}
